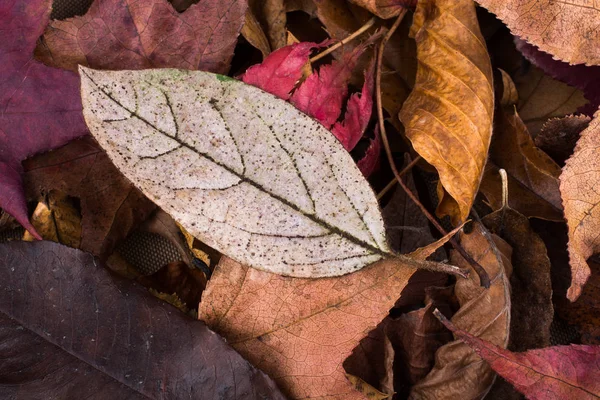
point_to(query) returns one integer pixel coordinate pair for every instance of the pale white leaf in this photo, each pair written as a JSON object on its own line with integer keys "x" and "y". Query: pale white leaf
{"x": 241, "y": 170}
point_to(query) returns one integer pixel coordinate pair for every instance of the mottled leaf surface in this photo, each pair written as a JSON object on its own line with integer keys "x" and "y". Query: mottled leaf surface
{"x": 241, "y": 170}
{"x": 579, "y": 184}
{"x": 448, "y": 115}
{"x": 560, "y": 372}
{"x": 118, "y": 34}
{"x": 58, "y": 301}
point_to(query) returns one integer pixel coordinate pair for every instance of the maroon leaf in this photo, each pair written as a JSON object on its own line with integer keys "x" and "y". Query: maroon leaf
{"x": 321, "y": 95}
{"x": 40, "y": 107}
{"x": 125, "y": 34}
{"x": 370, "y": 161}
{"x": 559, "y": 372}
{"x": 279, "y": 73}
{"x": 358, "y": 115}
{"x": 85, "y": 333}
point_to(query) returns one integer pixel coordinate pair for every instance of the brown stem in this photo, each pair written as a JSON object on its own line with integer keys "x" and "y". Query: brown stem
{"x": 348, "y": 39}
{"x": 390, "y": 185}
{"x": 483, "y": 276}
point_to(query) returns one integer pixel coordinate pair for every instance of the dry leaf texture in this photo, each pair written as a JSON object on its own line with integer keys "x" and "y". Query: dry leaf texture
{"x": 300, "y": 331}
{"x": 567, "y": 29}
{"x": 117, "y": 34}
{"x": 385, "y": 8}
{"x": 113, "y": 330}
{"x": 560, "y": 372}
{"x": 579, "y": 185}
{"x": 448, "y": 115}
{"x": 241, "y": 170}
{"x": 458, "y": 371}
{"x": 558, "y": 136}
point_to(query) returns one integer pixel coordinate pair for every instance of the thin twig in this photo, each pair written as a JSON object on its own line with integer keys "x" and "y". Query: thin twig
{"x": 348, "y": 39}
{"x": 393, "y": 181}
{"x": 483, "y": 276}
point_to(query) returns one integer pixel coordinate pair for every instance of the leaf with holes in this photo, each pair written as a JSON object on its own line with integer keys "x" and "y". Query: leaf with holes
{"x": 241, "y": 170}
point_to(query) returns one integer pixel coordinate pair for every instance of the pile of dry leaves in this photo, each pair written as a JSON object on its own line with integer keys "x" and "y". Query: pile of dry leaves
{"x": 349, "y": 198}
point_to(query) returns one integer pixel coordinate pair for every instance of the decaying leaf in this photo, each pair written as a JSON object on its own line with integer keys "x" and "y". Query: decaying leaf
{"x": 579, "y": 184}
{"x": 560, "y": 372}
{"x": 86, "y": 334}
{"x": 458, "y": 371}
{"x": 56, "y": 218}
{"x": 558, "y": 136}
{"x": 117, "y": 34}
{"x": 448, "y": 116}
{"x": 532, "y": 174}
{"x": 241, "y": 170}
{"x": 385, "y": 8}
{"x": 566, "y": 29}
{"x": 39, "y": 106}
{"x": 110, "y": 206}
{"x": 297, "y": 330}
{"x": 367, "y": 390}
{"x": 254, "y": 34}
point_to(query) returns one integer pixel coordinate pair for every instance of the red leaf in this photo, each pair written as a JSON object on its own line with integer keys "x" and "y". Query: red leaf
{"x": 358, "y": 114}
{"x": 40, "y": 108}
{"x": 559, "y": 372}
{"x": 369, "y": 163}
{"x": 125, "y": 34}
{"x": 281, "y": 70}
{"x": 321, "y": 94}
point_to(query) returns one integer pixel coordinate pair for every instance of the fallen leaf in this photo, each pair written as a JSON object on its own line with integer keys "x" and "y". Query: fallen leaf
{"x": 110, "y": 206}
{"x": 252, "y": 31}
{"x": 367, "y": 390}
{"x": 57, "y": 218}
{"x": 458, "y": 371}
{"x": 566, "y": 29}
{"x": 584, "y": 78}
{"x": 7, "y": 221}
{"x": 531, "y": 310}
{"x": 269, "y": 185}
{"x": 532, "y": 174}
{"x": 542, "y": 98}
{"x": 561, "y": 372}
{"x": 371, "y": 160}
{"x": 510, "y": 96}
{"x": 40, "y": 106}
{"x": 118, "y": 34}
{"x": 85, "y": 333}
{"x": 271, "y": 14}
{"x": 578, "y": 182}
{"x": 558, "y": 136}
{"x": 300, "y": 331}
{"x": 279, "y": 73}
{"x": 385, "y": 8}
{"x": 454, "y": 73}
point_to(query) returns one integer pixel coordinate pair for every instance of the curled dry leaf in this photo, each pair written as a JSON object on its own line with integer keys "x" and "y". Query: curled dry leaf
{"x": 118, "y": 34}
{"x": 239, "y": 169}
{"x": 300, "y": 331}
{"x": 560, "y": 372}
{"x": 448, "y": 115}
{"x": 102, "y": 337}
{"x": 558, "y": 136}
{"x": 532, "y": 174}
{"x": 566, "y": 29}
{"x": 458, "y": 371}
{"x": 254, "y": 34}
{"x": 40, "y": 106}
{"x": 578, "y": 187}
{"x": 110, "y": 206}
{"x": 385, "y": 8}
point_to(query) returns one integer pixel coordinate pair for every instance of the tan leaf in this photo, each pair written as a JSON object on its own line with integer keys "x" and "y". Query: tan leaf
{"x": 566, "y": 29}
{"x": 579, "y": 183}
{"x": 254, "y": 34}
{"x": 542, "y": 97}
{"x": 448, "y": 115}
{"x": 367, "y": 390}
{"x": 241, "y": 170}
{"x": 56, "y": 218}
{"x": 271, "y": 15}
{"x": 510, "y": 96}
{"x": 300, "y": 331}
{"x": 485, "y": 313}
{"x": 532, "y": 174}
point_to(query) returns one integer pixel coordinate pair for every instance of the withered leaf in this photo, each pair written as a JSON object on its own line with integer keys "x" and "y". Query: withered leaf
{"x": 558, "y": 136}
{"x": 566, "y": 29}
{"x": 560, "y": 372}
{"x": 579, "y": 182}
{"x": 532, "y": 174}
{"x": 117, "y": 34}
{"x": 297, "y": 330}
{"x": 385, "y": 8}
{"x": 458, "y": 371}
{"x": 86, "y": 334}
{"x": 448, "y": 115}
{"x": 241, "y": 170}
{"x": 110, "y": 206}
